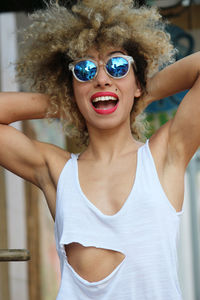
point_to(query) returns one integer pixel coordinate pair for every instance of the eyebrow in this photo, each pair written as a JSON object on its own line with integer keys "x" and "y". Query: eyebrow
{"x": 113, "y": 52}
{"x": 109, "y": 54}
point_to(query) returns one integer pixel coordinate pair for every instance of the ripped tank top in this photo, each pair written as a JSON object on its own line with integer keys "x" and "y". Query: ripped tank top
{"x": 145, "y": 230}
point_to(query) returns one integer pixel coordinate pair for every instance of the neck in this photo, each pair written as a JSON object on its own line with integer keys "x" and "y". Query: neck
{"x": 109, "y": 144}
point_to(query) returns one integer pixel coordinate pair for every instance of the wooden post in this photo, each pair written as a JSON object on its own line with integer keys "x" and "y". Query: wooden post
{"x": 33, "y": 231}
{"x": 4, "y": 288}
{"x": 8, "y": 55}
{"x": 14, "y": 255}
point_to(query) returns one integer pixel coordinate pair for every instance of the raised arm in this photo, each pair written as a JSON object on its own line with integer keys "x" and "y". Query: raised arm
{"x": 15, "y": 106}
{"x": 18, "y": 153}
{"x": 175, "y": 78}
{"x": 183, "y": 136}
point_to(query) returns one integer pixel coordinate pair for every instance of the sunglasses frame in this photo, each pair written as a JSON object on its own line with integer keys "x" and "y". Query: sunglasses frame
{"x": 129, "y": 59}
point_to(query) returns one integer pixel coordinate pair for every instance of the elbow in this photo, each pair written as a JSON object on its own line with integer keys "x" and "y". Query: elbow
{"x": 5, "y": 121}
{"x": 7, "y": 116}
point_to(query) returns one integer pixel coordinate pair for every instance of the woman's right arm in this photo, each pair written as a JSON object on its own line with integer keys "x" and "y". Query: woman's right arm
{"x": 16, "y": 106}
{"x": 18, "y": 153}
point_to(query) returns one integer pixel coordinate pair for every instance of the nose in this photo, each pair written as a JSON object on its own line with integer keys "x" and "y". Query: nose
{"x": 102, "y": 79}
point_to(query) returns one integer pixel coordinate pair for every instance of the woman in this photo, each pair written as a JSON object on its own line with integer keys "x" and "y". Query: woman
{"x": 117, "y": 204}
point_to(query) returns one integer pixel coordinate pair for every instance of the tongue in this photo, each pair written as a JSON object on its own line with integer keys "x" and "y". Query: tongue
{"x": 105, "y": 104}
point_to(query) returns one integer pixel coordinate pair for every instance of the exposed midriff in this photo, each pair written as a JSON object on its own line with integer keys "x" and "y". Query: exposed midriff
{"x": 91, "y": 263}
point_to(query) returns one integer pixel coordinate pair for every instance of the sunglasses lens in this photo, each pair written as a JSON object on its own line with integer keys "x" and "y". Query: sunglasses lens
{"x": 85, "y": 70}
{"x": 117, "y": 66}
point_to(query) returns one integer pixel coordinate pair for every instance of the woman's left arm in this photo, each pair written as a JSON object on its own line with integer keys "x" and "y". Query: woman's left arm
{"x": 184, "y": 131}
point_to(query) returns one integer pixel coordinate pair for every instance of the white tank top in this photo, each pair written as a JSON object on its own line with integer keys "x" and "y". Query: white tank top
{"x": 145, "y": 230}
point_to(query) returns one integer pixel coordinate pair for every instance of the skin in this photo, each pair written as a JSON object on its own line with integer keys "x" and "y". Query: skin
{"x": 104, "y": 129}
{"x": 112, "y": 152}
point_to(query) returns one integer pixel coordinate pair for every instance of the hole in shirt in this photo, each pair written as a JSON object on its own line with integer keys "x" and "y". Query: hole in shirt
{"x": 91, "y": 263}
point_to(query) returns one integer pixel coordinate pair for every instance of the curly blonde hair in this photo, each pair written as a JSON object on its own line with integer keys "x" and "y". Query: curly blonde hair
{"x": 59, "y": 35}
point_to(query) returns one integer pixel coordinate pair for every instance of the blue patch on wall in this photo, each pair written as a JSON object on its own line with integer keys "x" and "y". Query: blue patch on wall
{"x": 184, "y": 43}
{"x": 166, "y": 104}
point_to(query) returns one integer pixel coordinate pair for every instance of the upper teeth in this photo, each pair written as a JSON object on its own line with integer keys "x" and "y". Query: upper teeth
{"x": 104, "y": 98}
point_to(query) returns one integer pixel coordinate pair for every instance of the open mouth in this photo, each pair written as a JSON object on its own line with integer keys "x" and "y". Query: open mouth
{"x": 105, "y": 102}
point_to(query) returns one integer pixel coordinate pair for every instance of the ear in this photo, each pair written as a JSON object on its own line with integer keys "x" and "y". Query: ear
{"x": 138, "y": 91}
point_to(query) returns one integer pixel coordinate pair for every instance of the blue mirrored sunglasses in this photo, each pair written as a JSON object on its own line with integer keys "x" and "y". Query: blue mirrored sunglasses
{"x": 87, "y": 69}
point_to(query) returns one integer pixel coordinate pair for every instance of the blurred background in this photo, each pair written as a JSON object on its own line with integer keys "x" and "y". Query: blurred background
{"x": 25, "y": 221}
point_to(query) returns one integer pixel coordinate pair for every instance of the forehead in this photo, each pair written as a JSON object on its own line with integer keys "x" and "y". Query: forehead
{"x": 104, "y": 52}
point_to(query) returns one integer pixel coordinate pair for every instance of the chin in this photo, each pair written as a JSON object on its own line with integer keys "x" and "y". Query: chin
{"x": 107, "y": 125}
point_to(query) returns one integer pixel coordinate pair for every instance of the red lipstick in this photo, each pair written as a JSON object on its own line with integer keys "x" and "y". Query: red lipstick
{"x": 104, "y": 111}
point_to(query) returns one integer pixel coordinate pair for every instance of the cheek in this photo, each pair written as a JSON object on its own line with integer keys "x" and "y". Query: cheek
{"x": 80, "y": 96}
{"x": 76, "y": 98}
{"x": 77, "y": 91}
{"x": 81, "y": 89}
